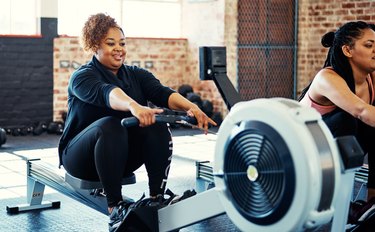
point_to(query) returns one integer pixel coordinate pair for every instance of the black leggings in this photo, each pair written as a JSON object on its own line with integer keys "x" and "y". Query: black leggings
{"x": 342, "y": 123}
{"x": 106, "y": 151}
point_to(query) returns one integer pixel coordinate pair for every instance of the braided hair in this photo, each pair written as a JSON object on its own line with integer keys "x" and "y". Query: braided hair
{"x": 347, "y": 34}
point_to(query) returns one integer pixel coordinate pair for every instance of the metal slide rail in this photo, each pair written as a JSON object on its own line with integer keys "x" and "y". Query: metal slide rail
{"x": 41, "y": 174}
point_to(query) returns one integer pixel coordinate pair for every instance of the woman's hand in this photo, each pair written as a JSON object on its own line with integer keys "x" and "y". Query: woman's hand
{"x": 177, "y": 102}
{"x": 202, "y": 119}
{"x": 144, "y": 114}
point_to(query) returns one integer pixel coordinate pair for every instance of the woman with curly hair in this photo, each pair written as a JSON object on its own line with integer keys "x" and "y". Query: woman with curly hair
{"x": 94, "y": 145}
{"x": 343, "y": 91}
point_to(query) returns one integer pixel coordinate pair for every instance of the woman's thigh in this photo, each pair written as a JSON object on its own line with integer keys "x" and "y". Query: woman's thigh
{"x": 81, "y": 154}
{"x": 341, "y": 123}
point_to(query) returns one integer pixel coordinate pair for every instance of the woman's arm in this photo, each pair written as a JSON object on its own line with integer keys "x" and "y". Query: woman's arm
{"x": 329, "y": 88}
{"x": 177, "y": 102}
{"x": 119, "y": 100}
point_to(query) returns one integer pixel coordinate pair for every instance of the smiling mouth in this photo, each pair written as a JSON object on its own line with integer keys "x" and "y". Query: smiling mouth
{"x": 117, "y": 57}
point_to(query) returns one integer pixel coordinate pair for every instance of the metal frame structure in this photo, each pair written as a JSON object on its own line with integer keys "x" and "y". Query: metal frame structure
{"x": 41, "y": 174}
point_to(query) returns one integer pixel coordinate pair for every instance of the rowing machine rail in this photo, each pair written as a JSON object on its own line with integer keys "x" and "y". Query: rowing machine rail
{"x": 41, "y": 174}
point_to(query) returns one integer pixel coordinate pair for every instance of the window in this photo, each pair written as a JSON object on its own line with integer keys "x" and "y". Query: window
{"x": 19, "y": 17}
{"x": 139, "y": 18}
{"x": 152, "y": 18}
{"x": 72, "y": 14}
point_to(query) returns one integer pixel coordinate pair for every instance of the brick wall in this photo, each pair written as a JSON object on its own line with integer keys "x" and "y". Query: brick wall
{"x": 204, "y": 24}
{"x": 175, "y": 61}
{"x": 26, "y": 77}
{"x": 165, "y": 58}
{"x": 28, "y": 92}
{"x": 315, "y": 19}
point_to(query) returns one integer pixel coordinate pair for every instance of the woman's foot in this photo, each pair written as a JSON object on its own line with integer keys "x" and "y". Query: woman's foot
{"x": 359, "y": 210}
{"x": 117, "y": 215}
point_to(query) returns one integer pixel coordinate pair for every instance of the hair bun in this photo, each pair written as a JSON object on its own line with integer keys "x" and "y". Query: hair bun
{"x": 327, "y": 39}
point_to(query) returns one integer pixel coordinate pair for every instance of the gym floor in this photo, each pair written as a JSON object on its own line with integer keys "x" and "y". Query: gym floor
{"x": 189, "y": 146}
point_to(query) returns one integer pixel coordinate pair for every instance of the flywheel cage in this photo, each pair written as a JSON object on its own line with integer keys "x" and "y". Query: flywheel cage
{"x": 259, "y": 173}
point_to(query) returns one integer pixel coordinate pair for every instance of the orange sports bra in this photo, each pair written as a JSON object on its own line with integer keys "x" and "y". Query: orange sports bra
{"x": 322, "y": 109}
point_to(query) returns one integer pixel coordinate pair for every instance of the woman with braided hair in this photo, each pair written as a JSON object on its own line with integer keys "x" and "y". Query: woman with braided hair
{"x": 343, "y": 92}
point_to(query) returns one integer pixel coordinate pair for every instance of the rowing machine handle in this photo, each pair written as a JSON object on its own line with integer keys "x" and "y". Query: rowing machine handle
{"x": 128, "y": 122}
{"x": 133, "y": 121}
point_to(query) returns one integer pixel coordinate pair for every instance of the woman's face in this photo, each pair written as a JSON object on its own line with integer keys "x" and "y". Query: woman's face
{"x": 363, "y": 52}
{"x": 112, "y": 50}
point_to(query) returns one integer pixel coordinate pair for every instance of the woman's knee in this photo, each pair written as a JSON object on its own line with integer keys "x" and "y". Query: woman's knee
{"x": 158, "y": 131}
{"x": 341, "y": 123}
{"x": 112, "y": 126}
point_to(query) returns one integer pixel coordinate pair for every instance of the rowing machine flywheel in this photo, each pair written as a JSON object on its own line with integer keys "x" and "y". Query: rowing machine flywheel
{"x": 276, "y": 166}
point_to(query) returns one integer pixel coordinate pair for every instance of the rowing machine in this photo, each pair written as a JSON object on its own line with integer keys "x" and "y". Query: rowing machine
{"x": 277, "y": 167}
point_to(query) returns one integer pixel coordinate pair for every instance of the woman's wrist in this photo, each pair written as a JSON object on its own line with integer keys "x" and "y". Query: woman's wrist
{"x": 132, "y": 105}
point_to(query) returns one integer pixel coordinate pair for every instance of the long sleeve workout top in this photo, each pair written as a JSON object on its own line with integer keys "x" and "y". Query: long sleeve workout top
{"x": 88, "y": 95}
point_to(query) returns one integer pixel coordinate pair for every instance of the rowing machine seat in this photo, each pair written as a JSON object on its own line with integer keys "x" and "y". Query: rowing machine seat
{"x": 87, "y": 184}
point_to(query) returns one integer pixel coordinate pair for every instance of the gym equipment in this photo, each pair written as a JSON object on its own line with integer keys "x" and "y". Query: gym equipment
{"x": 40, "y": 128}
{"x": 207, "y": 108}
{"x": 90, "y": 193}
{"x": 171, "y": 117}
{"x": 295, "y": 174}
{"x": 213, "y": 66}
{"x": 55, "y": 128}
{"x": 194, "y": 98}
{"x": 3, "y": 136}
{"x": 271, "y": 173}
{"x": 185, "y": 89}
{"x": 41, "y": 174}
{"x": 168, "y": 116}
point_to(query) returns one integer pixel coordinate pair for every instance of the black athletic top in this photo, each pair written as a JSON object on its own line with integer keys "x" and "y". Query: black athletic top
{"x": 88, "y": 95}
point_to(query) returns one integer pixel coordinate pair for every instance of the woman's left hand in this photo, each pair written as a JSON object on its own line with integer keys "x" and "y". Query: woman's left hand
{"x": 202, "y": 119}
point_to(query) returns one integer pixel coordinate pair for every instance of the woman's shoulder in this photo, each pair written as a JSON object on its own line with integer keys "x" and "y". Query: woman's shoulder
{"x": 138, "y": 71}
{"x": 328, "y": 75}
{"x": 85, "y": 68}
{"x": 325, "y": 82}
{"x": 83, "y": 73}
{"x": 327, "y": 71}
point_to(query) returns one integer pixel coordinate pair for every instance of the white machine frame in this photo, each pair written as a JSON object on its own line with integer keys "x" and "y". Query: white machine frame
{"x": 314, "y": 158}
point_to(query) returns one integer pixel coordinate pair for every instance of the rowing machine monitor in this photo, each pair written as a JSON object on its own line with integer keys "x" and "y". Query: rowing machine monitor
{"x": 213, "y": 66}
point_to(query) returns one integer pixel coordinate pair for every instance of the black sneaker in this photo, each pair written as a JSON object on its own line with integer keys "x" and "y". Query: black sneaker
{"x": 160, "y": 201}
{"x": 144, "y": 202}
{"x": 185, "y": 195}
{"x": 117, "y": 216}
{"x": 358, "y": 209}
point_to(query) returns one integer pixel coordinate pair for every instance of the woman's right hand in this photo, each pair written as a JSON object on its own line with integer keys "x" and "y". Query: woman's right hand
{"x": 144, "y": 114}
